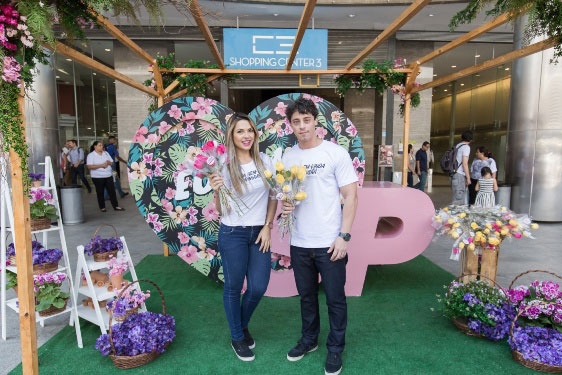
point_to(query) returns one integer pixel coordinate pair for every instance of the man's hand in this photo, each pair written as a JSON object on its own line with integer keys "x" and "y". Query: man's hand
{"x": 288, "y": 207}
{"x": 338, "y": 249}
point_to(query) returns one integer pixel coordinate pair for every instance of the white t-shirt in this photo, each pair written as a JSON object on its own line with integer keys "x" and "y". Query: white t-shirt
{"x": 463, "y": 149}
{"x": 255, "y": 197}
{"x": 93, "y": 159}
{"x": 318, "y": 217}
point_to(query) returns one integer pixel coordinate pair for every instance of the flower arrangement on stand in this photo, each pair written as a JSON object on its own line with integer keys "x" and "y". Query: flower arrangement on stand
{"x": 536, "y": 332}
{"x": 288, "y": 186}
{"x": 103, "y": 248}
{"x": 49, "y": 296}
{"x": 36, "y": 178}
{"x": 44, "y": 260}
{"x": 127, "y": 302}
{"x": 42, "y": 208}
{"x": 478, "y": 232}
{"x": 478, "y": 308}
{"x": 117, "y": 267}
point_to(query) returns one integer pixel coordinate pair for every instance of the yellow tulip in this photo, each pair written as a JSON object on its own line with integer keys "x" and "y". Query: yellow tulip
{"x": 505, "y": 231}
{"x": 455, "y": 235}
{"x": 473, "y": 225}
{"x": 513, "y": 222}
{"x": 286, "y": 188}
{"x": 280, "y": 179}
{"x": 488, "y": 225}
{"x": 486, "y": 231}
{"x": 451, "y": 221}
{"x": 494, "y": 241}
{"x": 300, "y": 196}
{"x": 499, "y": 223}
{"x": 461, "y": 245}
{"x": 446, "y": 209}
{"x": 301, "y": 174}
{"x": 456, "y": 225}
{"x": 462, "y": 215}
{"x": 279, "y": 166}
{"x": 534, "y": 226}
{"x": 294, "y": 170}
{"x": 471, "y": 247}
{"x": 267, "y": 173}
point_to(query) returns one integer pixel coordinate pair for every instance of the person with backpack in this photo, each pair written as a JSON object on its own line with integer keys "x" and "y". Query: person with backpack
{"x": 460, "y": 180}
{"x": 76, "y": 160}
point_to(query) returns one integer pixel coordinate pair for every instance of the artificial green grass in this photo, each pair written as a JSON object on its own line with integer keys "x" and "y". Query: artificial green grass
{"x": 391, "y": 330}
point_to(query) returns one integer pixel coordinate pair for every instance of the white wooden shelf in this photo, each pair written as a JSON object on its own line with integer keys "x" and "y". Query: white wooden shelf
{"x": 7, "y": 225}
{"x": 99, "y": 292}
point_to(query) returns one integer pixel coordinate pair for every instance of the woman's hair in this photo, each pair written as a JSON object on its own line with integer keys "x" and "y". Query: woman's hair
{"x": 92, "y": 147}
{"x": 484, "y": 151}
{"x": 485, "y": 170}
{"x": 410, "y": 147}
{"x": 233, "y": 165}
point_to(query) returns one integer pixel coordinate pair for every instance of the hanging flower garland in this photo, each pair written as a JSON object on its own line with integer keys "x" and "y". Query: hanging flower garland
{"x": 384, "y": 78}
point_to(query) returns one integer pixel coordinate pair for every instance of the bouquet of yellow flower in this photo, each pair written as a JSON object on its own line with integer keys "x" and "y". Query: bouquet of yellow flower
{"x": 287, "y": 185}
{"x": 479, "y": 228}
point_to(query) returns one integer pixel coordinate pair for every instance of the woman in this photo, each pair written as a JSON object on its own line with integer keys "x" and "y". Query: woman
{"x": 483, "y": 158}
{"x": 244, "y": 240}
{"x": 99, "y": 163}
{"x": 411, "y": 165}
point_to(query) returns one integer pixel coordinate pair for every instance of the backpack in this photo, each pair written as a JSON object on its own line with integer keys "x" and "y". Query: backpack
{"x": 449, "y": 162}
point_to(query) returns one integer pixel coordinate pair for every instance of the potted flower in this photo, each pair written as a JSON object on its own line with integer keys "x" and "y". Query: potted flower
{"x": 36, "y": 178}
{"x": 479, "y": 232}
{"x": 117, "y": 267}
{"x": 12, "y": 281}
{"x": 103, "y": 248}
{"x": 44, "y": 260}
{"x": 127, "y": 302}
{"x": 137, "y": 340}
{"x": 478, "y": 308}
{"x": 536, "y": 335}
{"x": 50, "y": 299}
{"x": 42, "y": 208}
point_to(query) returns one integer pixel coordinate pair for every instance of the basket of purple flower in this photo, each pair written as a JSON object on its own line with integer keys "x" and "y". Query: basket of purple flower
{"x": 140, "y": 338}
{"x": 103, "y": 248}
{"x": 535, "y": 335}
{"x": 44, "y": 260}
{"x": 478, "y": 308}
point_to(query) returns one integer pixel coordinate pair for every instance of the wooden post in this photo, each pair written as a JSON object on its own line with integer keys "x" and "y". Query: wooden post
{"x": 406, "y": 135}
{"x": 22, "y": 240}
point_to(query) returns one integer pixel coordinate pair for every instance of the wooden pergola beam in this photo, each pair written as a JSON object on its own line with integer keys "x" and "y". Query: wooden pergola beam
{"x": 508, "y": 57}
{"x": 408, "y": 14}
{"x": 274, "y": 72}
{"x": 124, "y": 39}
{"x": 184, "y": 91}
{"x": 197, "y": 14}
{"x": 465, "y": 38}
{"x": 303, "y": 23}
{"x": 71, "y": 53}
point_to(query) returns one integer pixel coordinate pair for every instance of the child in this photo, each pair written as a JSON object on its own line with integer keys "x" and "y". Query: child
{"x": 485, "y": 187}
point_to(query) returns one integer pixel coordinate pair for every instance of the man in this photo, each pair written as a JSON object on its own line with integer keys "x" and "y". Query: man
{"x": 76, "y": 160}
{"x": 112, "y": 150}
{"x": 320, "y": 234}
{"x": 421, "y": 166}
{"x": 461, "y": 179}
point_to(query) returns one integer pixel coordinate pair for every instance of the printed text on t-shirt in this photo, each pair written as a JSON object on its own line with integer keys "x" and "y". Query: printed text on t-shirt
{"x": 311, "y": 169}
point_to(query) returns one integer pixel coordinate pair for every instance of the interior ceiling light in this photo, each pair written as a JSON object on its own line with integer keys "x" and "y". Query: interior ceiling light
{"x": 351, "y": 15}
{"x": 453, "y": 66}
{"x": 477, "y": 75}
{"x": 435, "y": 75}
{"x": 445, "y": 90}
{"x": 476, "y": 55}
{"x": 94, "y": 73}
{"x": 462, "y": 84}
{"x": 275, "y": 14}
{"x": 68, "y": 59}
{"x": 107, "y": 49}
{"x": 506, "y": 68}
{"x": 430, "y": 14}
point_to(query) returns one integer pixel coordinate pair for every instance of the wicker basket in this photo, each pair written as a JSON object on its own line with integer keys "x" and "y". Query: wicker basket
{"x": 12, "y": 259}
{"x": 518, "y": 356}
{"x": 52, "y": 310}
{"x": 127, "y": 362}
{"x": 40, "y": 223}
{"x": 121, "y": 318}
{"x": 104, "y": 257}
{"x": 39, "y": 269}
{"x": 461, "y": 322}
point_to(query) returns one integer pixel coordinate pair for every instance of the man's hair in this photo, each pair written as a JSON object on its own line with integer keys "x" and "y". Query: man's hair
{"x": 466, "y": 136}
{"x": 73, "y": 141}
{"x": 302, "y": 106}
{"x": 425, "y": 143}
{"x": 110, "y": 137}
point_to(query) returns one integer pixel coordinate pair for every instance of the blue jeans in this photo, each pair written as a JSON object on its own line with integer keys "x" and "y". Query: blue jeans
{"x": 410, "y": 179}
{"x": 241, "y": 258}
{"x": 307, "y": 264}
{"x": 423, "y": 179}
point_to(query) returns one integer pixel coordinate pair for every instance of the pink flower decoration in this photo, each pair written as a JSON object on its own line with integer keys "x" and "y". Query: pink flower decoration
{"x": 210, "y": 212}
{"x": 281, "y": 109}
{"x": 164, "y": 127}
{"x": 140, "y": 135}
{"x": 189, "y": 254}
{"x": 203, "y": 106}
{"x": 351, "y": 130}
{"x": 221, "y": 149}
{"x": 183, "y": 237}
{"x": 170, "y": 193}
{"x": 321, "y": 132}
{"x": 175, "y": 112}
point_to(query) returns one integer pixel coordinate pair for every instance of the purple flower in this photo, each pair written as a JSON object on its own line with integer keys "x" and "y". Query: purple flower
{"x": 102, "y": 245}
{"x": 140, "y": 333}
{"x": 538, "y": 344}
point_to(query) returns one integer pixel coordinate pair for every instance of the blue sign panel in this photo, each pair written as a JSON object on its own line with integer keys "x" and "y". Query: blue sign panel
{"x": 270, "y": 49}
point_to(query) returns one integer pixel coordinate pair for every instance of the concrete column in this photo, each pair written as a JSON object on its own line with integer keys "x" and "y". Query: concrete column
{"x": 534, "y": 136}
{"x": 41, "y": 123}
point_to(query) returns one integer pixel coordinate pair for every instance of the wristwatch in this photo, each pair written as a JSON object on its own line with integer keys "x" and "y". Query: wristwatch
{"x": 346, "y": 236}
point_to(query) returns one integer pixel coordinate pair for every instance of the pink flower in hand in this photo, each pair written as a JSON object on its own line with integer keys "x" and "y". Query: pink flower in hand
{"x": 208, "y": 147}
{"x": 221, "y": 149}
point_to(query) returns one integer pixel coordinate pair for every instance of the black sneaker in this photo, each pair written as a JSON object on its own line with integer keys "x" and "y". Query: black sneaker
{"x": 300, "y": 350}
{"x": 333, "y": 364}
{"x": 242, "y": 351}
{"x": 249, "y": 339}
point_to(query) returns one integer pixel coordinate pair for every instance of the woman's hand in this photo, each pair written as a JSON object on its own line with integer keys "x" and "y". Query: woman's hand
{"x": 264, "y": 239}
{"x": 216, "y": 181}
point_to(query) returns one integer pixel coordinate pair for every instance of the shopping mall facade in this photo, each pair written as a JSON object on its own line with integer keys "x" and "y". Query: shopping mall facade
{"x": 513, "y": 109}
